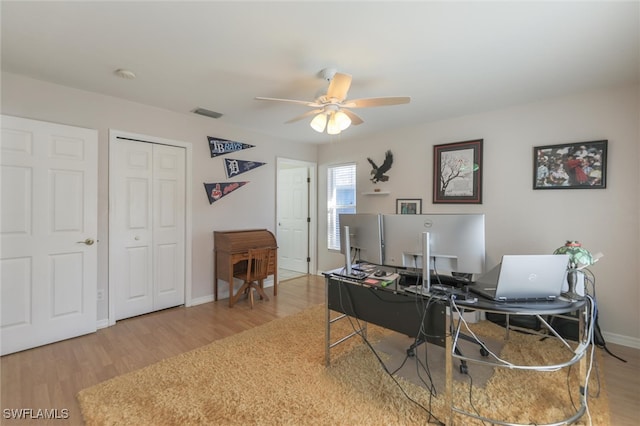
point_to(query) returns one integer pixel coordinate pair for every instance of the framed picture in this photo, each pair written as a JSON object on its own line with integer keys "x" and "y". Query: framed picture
{"x": 409, "y": 206}
{"x": 457, "y": 173}
{"x": 581, "y": 165}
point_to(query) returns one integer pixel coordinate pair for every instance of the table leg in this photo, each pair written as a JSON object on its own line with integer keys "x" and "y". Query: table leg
{"x": 275, "y": 282}
{"x": 448, "y": 368}
{"x": 231, "y": 299}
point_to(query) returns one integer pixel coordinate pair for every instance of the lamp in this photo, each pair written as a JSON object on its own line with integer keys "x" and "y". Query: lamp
{"x": 579, "y": 258}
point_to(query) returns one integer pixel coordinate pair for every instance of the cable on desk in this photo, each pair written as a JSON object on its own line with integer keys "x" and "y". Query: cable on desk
{"x": 417, "y": 342}
{"x": 380, "y": 361}
{"x": 586, "y": 342}
{"x": 452, "y": 306}
{"x": 592, "y": 319}
{"x": 598, "y": 339}
{"x": 575, "y": 357}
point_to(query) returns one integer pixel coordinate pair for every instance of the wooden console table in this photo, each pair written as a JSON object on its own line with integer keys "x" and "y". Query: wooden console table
{"x": 231, "y": 251}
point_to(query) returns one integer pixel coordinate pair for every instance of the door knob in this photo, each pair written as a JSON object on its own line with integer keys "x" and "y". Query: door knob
{"x": 88, "y": 242}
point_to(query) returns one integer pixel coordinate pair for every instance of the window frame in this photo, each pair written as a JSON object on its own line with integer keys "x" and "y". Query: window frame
{"x": 333, "y": 208}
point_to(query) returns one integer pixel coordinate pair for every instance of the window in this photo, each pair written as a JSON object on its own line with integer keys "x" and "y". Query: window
{"x": 341, "y": 198}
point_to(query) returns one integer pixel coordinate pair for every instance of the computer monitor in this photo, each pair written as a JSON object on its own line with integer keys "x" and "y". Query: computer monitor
{"x": 365, "y": 236}
{"x": 456, "y": 242}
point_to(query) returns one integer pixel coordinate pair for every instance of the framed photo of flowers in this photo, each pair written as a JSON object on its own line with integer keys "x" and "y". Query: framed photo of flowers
{"x": 581, "y": 165}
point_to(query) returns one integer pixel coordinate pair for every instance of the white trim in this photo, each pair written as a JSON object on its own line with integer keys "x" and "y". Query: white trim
{"x": 618, "y": 339}
{"x": 113, "y": 135}
{"x": 103, "y": 323}
{"x": 201, "y": 300}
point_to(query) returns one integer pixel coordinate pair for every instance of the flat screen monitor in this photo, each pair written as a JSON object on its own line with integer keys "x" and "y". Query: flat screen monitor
{"x": 456, "y": 242}
{"x": 365, "y": 235}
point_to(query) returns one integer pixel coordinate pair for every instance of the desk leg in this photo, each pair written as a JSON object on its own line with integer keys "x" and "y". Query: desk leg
{"x": 327, "y": 330}
{"x": 215, "y": 277}
{"x": 582, "y": 364}
{"x": 448, "y": 369}
{"x": 231, "y": 298}
{"x": 275, "y": 282}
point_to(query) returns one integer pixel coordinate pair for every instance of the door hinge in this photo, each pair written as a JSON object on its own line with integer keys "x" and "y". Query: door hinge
{"x": 308, "y": 259}
{"x": 308, "y": 220}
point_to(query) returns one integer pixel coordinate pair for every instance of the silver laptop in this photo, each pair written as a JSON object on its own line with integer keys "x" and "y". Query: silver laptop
{"x": 521, "y": 278}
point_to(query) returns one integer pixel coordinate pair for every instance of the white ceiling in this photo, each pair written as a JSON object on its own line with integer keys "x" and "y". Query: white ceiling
{"x": 452, "y": 58}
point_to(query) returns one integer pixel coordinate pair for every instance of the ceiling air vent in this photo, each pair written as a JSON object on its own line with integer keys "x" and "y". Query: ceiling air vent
{"x": 207, "y": 113}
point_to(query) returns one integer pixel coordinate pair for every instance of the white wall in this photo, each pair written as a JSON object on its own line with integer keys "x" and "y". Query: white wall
{"x": 252, "y": 206}
{"x": 520, "y": 220}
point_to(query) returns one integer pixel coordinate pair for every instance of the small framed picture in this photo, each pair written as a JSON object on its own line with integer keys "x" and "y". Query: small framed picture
{"x": 409, "y": 206}
{"x": 581, "y": 165}
{"x": 457, "y": 173}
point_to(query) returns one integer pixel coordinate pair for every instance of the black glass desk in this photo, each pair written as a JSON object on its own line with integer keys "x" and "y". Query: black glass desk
{"x": 393, "y": 309}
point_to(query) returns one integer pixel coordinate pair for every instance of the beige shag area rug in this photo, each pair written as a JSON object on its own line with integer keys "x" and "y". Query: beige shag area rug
{"x": 275, "y": 374}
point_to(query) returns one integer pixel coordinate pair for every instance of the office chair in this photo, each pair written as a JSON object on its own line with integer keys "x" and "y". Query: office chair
{"x": 255, "y": 274}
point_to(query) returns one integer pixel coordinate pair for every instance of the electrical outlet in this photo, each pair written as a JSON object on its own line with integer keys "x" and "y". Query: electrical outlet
{"x": 100, "y": 294}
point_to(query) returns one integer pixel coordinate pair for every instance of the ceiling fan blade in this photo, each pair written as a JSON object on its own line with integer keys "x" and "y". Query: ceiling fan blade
{"x": 305, "y": 115}
{"x": 374, "y": 102}
{"x": 291, "y": 101}
{"x": 339, "y": 87}
{"x": 355, "y": 119}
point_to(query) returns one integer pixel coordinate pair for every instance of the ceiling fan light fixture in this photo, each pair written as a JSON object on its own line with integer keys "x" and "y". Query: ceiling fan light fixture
{"x": 332, "y": 111}
{"x": 332, "y": 126}
{"x": 342, "y": 120}
{"x": 319, "y": 122}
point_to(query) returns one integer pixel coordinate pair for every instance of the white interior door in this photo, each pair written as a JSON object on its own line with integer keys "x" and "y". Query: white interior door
{"x": 293, "y": 219}
{"x": 48, "y": 232}
{"x": 147, "y": 227}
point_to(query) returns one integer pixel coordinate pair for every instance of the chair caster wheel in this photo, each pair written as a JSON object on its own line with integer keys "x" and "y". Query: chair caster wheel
{"x": 463, "y": 369}
{"x": 484, "y": 352}
{"x": 411, "y": 353}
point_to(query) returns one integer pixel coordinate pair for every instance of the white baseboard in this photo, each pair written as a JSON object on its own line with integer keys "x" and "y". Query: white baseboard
{"x": 200, "y": 300}
{"x": 619, "y": 339}
{"x": 223, "y": 293}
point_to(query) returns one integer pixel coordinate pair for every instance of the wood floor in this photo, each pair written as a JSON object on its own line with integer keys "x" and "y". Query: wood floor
{"x": 49, "y": 377}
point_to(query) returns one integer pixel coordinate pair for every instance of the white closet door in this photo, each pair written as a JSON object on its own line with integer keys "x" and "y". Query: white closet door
{"x": 147, "y": 227}
{"x": 168, "y": 226}
{"x": 48, "y": 232}
{"x": 130, "y": 228}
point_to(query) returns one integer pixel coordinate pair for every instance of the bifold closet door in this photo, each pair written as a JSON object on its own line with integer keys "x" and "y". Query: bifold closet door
{"x": 146, "y": 248}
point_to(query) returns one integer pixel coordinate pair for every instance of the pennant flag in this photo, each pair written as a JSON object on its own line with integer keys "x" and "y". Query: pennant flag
{"x": 215, "y": 191}
{"x": 223, "y": 146}
{"x": 237, "y": 167}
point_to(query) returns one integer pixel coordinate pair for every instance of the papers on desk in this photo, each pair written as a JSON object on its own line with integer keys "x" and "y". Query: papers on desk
{"x": 386, "y": 281}
{"x": 367, "y": 268}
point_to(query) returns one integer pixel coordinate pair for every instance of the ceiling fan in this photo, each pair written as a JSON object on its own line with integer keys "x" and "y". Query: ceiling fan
{"x": 332, "y": 110}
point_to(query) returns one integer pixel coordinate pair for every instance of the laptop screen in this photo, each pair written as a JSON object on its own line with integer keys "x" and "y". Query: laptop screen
{"x": 525, "y": 277}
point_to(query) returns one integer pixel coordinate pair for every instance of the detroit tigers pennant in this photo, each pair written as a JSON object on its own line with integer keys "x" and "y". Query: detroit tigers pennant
{"x": 237, "y": 167}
